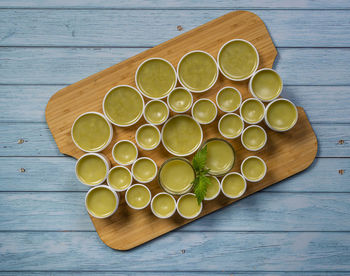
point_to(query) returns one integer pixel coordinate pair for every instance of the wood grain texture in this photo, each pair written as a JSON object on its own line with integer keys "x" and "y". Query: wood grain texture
{"x": 105, "y": 28}
{"x": 223, "y": 251}
{"x": 286, "y": 154}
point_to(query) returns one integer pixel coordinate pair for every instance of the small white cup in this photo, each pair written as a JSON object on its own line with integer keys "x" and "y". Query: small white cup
{"x": 218, "y": 192}
{"x": 147, "y": 119}
{"x": 186, "y": 217}
{"x": 230, "y": 114}
{"x": 155, "y": 213}
{"x": 174, "y": 91}
{"x": 138, "y": 142}
{"x": 133, "y": 166}
{"x": 201, "y": 100}
{"x": 217, "y": 70}
{"x": 138, "y": 69}
{"x": 110, "y": 131}
{"x": 257, "y": 180}
{"x": 252, "y": 99}
{"x": 109, "y": 184}
{"x": 129, "y": 204}
{"x": 220, "y": 91}
{"x": 103, "y": 158}
{"x": 257, "y": 63}
{"x": 222, "y": 183}
{"x": 116, "y": 159}
{"x": 100, "y": 187}
{"x": 253, "y": 126}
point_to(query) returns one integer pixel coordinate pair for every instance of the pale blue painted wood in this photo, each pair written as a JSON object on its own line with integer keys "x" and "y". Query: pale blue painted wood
{"x": 316, "y": 100}
{"x": 209, "y": 251}
{"x": 176, "y": 4}
{"x": 186, "y": 273}
{"x": 57, "y": 174}
{"x": 288, "y": 28}
{"x": 333, "y": 140}
{"x": 65, "y": 211}
{"x": 305, "y": 66}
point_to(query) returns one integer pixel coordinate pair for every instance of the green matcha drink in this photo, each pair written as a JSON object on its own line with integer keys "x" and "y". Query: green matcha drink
{"x": 155, "y": 78}
{"x": 252, "y": 111}
{"x": 91, "y": 169}
{"x": 119, "y": 178}
{"x": 138, "y": 196}
{"x": 181, "y": 135}
{"x": 231, "y": 125}
{"x": 253, "y": 168}
{"x": 266, "y": 85}
{"x": 148, "y": 137}
{"x": 169, "y": 176}
{"x": 144, "y": 170}
{"x": 281, "y": 115}
{"x": 228, "y": 99}
{"x": 254, "y": 138}
{"x": 233, "y": 185}
{"x": 188, "y": 207}
{"x": 124, "y": 152}
{"x": 156, "y": 112}
{"x": 180, "y": 100}
{"x": 238, "y": 59}
{"x": 123, "y": 105}
{"x": 163, "y": 205}
{"x": 204, "y": 111}
{"x": 197, "y": 71}
{"x": 91, "y": 132}
{"x": 101, "y": 202}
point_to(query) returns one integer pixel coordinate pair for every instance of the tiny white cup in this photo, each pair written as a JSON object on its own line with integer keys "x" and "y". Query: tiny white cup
{"x": 265, "y": 167}
{"x": 142, "y": 181}
{"x": 190, "y": 217}
{"x": 220, "y": 91}
{"x": 218, "y": 192}
{"x": 147, "y": 119}
{"x": 217, "y": 71}
{"x": 100, "y": 187}
{"x": 201, "y": 100}
{"x": 222, "y": 184}
{"x": 155, "y": 213}
{"x": 137, "y": 72}
{"x": 138, "y": 142}
{"x": 110, "y": 131}
{"x": 129, "y": 204}
{"x": 174, "y": 91}
{"x": 230, "y": 114}
{"x": 253, "y": 126}
{"x": 109, "y": 184}
{"x": 116, "y": 159}
{"x": 103, "y": 158}
{"x": 252, "y": 99}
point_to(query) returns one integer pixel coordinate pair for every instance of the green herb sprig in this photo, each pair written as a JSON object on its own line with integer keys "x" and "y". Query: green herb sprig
{"x": 201, "y": 181}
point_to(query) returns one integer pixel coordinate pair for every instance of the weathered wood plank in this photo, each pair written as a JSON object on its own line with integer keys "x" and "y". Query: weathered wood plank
{"x": 289, "y": 28}
{"x": 57, "y": 174}
{"x": 316, "y": 100}
{"x": 178, "y": 4}
{"x": 179, "y": 251}
{"x": 185, "y": 273}
{"x": 306, "y": 66}
{"x": 35, "y": 139}
{"x": 65, "y": 211}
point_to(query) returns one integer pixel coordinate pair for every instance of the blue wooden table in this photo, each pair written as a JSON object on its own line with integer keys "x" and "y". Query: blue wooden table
{"x": 300, "y": 226}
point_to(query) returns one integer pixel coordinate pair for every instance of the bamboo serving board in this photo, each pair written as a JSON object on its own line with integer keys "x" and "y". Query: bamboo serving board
{"x": 285, "y": 153}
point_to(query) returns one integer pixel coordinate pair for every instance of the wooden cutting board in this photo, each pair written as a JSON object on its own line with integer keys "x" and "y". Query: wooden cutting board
{"x": 285, "y": 153}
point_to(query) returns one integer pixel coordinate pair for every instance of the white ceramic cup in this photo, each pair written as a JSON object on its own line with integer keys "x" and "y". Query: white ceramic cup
{"x": 155, "y": 213}
{"x": 186, "y": 217}
{"x": 252, "y": 99}
{"x": 174, "y": 91}
{"x": 218, "y": 192}
{"x": 201, "y": 100}
{"x": 116, "y": 159}
{"x": 109, "y": 184}
{"x": 243, "y": 191}
{"x": 220, "y": 91}
{"x": 133, "y": 166}
{"x": 253, "y": 126}
{"x": 230, "y": 114}
{"x": 147, "y": 119}
{"x": 256, "y": 180}
{"x": 138, "y": 142}
{"x": 129, "y": 204}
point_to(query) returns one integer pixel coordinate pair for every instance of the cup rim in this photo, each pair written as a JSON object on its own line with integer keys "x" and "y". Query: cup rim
{"x": 110, "y": 131}
{"x": 137, "y": 140}
{"x": 144, "y": 112}
{"x": 250, "y": 157}
{"x": 269, "y": 105}
{"x": 105, "y": 97}
{"x": 129, "y": 204}
{"x": 138, "y": 69}
{"x": 233, "y": 40}
{"x": 218, "y": 192}
{"x": 109, "y": 184}
{"x": 217, "y": 96}
{"x": 160, "y": 169}
{"x": 166, "y": 147}
{"x": 186, "y": 217}
{"x": 142, "y": 181}
{"x": 99, "y": 155}
{"x": 202, "y": 100}
{"x": 250, "y": 85}
{"x": 103, "y": 187}
{"x": 155, "y": 213}
{"x": 197, "y": 51}
{"x": 175, "y": 89}
{"x": 230, "y": 114}
{"x": 263, "y": 145}
{"x": 222, "y": 185}
{"x": 128, "y": 141}
{"x": 252, "y": 99}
